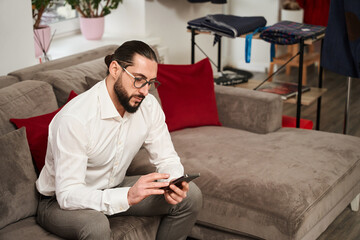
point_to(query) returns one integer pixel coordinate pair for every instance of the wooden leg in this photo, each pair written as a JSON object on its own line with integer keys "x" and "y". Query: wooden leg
{"x": 304, "y": 81}
{"x": 311, "y": 48}
{"x": 271, "y": 71}
{"x": 355, "y": 203}
{"x": 288, "y": 69}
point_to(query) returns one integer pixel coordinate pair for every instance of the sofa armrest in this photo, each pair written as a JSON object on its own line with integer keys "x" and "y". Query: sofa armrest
{"x": 248, "y": 110}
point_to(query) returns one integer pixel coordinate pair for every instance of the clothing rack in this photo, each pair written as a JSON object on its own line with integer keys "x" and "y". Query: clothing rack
{"x": 302, "y": 45}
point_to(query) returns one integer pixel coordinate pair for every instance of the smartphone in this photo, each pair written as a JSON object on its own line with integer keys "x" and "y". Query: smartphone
{"x": 178, "y": 181}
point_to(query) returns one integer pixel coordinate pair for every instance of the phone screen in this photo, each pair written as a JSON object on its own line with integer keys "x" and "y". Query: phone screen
{"x": 186, "y": 178}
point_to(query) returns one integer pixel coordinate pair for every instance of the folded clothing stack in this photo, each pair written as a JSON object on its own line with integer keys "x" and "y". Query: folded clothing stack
{"x": 287, "y": 32}
{"x": 227, "y": 25}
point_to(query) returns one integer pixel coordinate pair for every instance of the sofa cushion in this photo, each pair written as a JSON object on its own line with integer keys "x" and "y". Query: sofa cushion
{"x": 187, "y": 95}
{"x": 18, "y": 198}
{"x": 273, "y": 186}
{"x": 25, "y": 99}
{"x": 26, "y": 229}
{"x": 29, "y": 72}
{"x": 37, "y": 133}
{"x": 72, "y": 78}
{"x": 7, "y": 81}
{"x": 123, "y": 227}
{"x": 91, "y": 81}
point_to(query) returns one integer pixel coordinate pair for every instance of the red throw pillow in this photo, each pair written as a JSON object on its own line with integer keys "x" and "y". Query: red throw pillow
{"x": 187, "y": 95}
{"x": 37, "y": 133}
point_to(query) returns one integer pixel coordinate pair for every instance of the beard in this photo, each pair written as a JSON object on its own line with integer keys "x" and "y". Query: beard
{"x": 124, "y": 97}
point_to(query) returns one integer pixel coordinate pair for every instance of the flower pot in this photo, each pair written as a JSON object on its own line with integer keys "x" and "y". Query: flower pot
{"x": 292, "y": 15}
{"x": 92, "y": 28}
{"x": 42, "y": 37}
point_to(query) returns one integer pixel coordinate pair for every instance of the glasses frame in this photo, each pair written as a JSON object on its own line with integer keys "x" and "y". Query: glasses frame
{"x": 137, "y": 79}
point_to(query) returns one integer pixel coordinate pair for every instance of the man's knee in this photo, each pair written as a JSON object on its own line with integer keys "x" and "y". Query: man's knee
{"x": 72, "y": 224}
{"x": 194, "y": 198}
{"x": 96, "y": 227}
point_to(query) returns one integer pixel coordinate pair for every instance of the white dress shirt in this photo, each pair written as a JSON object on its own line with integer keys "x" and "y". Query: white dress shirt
{"x": 90, "y": 147}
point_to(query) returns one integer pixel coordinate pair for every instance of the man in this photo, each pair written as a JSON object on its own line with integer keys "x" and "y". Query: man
{"x": 91, "y": 143}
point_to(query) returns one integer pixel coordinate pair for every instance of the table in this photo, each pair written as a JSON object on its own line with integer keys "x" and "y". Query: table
{"x": 302, "y": 44}
{"x": 307, "y": 97}
{"x": 310, "y": 58}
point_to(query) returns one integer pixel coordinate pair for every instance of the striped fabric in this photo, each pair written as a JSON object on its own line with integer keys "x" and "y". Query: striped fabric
{"x": 287, "y": 32}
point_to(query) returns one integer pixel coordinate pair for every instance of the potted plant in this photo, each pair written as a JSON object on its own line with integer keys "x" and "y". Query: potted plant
{"x": 291, "y": 11}
{"x": 92, "y": 15}
{"x": 42, "y": 33}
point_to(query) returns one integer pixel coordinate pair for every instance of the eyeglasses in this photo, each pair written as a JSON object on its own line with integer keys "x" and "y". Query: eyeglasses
{"x": 140, "y": 82}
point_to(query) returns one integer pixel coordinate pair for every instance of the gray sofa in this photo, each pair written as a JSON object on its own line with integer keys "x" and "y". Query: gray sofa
{"x": 257, "y": 178}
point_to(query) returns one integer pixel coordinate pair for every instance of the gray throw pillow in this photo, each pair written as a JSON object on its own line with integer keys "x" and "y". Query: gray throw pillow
{"x": 72, "y": 78}
{"x": 91, "y": 81}
{"x": 18, "y": 196}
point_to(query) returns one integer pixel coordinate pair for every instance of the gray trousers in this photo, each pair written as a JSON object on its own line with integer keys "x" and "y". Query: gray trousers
{"x": 176, "y": 223}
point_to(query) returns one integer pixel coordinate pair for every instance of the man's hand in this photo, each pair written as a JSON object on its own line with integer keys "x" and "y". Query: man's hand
{"x": 175, "y": 194}
{"x": 146, "y": 186}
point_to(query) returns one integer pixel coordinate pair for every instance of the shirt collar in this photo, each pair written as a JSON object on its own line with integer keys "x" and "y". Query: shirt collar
{"x": 107, "y": 107}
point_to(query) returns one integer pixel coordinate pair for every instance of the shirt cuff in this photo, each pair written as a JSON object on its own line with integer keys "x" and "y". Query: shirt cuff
{"x": 116, "y": 200}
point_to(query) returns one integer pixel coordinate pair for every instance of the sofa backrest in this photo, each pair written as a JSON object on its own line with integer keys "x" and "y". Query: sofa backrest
{"x": 29, "y": 72}
{"x": 7, "y": 81}
{"x": 23, "y": 100}
{"x": 72, "y": 78}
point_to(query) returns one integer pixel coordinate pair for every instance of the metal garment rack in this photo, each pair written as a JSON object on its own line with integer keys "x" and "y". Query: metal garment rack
{"x": 302, "y": 45}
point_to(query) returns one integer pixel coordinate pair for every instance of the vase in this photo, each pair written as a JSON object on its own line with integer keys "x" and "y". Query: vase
{"x": 92, "y": 28}
{"x": 42, "y": 37}
{"x": 292, "y": 15}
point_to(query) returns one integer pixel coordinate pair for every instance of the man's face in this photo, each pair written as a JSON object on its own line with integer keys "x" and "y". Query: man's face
{"x": 128, "y": 95}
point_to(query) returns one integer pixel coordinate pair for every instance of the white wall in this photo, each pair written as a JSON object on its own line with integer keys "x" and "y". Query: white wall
{"x": 168, "y": 19}
{"x": 165, "y": 20}
{"x": 260, "y": 51}
{"x": 127, "y": 21}
{"x": 16, "y": 41}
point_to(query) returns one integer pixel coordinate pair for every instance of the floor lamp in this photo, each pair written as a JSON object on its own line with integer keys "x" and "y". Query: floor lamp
{"x": 347, "y": 106}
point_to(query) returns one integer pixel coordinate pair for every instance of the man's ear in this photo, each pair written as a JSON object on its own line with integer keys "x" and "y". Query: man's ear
{"x": 115, "y": 69}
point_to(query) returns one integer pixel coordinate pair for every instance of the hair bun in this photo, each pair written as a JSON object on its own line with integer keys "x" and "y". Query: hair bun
{"x": 109, "y": 59}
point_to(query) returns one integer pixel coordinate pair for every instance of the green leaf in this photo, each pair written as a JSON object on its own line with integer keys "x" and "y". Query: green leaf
{"x": 92, "y": 6}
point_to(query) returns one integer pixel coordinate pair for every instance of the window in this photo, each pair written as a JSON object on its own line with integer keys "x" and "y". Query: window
{"x": 61, "y": 18}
